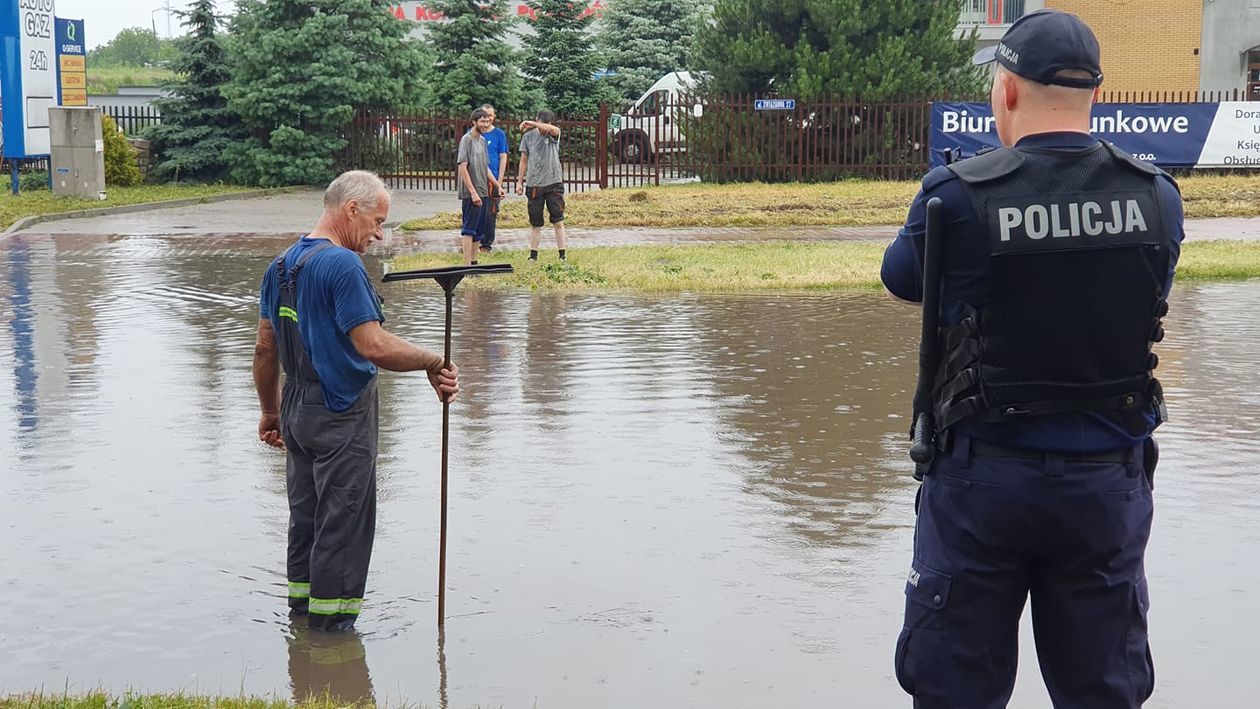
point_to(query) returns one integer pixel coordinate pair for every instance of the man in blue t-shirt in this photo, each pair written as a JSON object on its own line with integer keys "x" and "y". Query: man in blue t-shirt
{"x": 320, "y": 321}
{"x": 1059, "y": 252}
{"x": 497, "y": 155}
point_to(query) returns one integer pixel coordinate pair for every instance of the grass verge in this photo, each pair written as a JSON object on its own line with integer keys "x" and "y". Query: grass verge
{"x": 762, "y": 266}
{"x": 33, "y": 202}
{"x": 107, "y": 79}
{"x": 847, "y": 203}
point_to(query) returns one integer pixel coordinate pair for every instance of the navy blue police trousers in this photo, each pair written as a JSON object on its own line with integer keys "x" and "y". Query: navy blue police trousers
{"x": 1069, "y": 534}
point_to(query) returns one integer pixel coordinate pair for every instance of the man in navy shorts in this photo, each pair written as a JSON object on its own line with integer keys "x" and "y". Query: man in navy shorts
{"x": 475, "y": 184}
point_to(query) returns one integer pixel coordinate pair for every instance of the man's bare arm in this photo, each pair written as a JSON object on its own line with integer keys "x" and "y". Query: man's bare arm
{"x": 391, "y": 352}
{"x": 520, "y": 173}
{"x": 544, "y": 128}
{"x": 463, "y": 176}
{"x": 267, "y": 368}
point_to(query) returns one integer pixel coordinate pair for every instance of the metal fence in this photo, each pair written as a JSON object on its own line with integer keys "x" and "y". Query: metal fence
{"x": 715, "y": 139}
{"x": 133, "y": 119}
{"x": 683, "y": 138}
{"x": 1173, "y": 96}
{"x": 416, "y": 149}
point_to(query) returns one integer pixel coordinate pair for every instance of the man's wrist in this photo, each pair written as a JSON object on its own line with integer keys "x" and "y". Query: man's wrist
{"x": 436, "y": 363}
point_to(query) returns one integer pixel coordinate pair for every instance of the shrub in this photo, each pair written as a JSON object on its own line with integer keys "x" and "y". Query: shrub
{"x": 120, "y": 158}
{"x": 33, "y": 181}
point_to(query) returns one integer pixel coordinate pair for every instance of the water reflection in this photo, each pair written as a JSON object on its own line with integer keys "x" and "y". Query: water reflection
{"x": 328, "y": 664}
{"x": 21, "y": 330}
{"x": 656, "y": 501}
{"x": 816, "y": 407}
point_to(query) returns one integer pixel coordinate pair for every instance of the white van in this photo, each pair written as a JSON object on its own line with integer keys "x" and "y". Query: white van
{"x": 650, "y": 127}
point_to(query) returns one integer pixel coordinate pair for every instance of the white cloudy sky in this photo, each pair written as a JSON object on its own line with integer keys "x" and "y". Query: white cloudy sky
{"x": 104, "y": 18}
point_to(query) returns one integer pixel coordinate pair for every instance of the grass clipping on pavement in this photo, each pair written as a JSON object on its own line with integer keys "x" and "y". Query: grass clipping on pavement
{"x": 101, "y": 700}
{"x": 847, "y": 203}
{"x": 761, "y": 266}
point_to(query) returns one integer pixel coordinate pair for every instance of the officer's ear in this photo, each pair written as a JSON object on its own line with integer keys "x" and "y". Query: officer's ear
{"x": 1011, "y": 95}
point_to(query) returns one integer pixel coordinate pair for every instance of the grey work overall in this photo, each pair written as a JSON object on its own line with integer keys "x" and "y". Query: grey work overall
{"x": 331, "y": 476}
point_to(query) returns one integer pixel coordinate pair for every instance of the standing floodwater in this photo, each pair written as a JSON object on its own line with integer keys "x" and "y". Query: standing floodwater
{"x": 656, "y": 501}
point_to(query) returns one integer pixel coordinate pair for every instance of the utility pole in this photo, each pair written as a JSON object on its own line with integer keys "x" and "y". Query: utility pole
{"x": 166, "y": 7}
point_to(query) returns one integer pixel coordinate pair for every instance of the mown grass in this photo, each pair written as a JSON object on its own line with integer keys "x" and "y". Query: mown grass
{"x": 33, "y": 202}
{"x": 1219, "y": 261}
{"x": 107, "y": 79}
{"x": 762, "y": 266}
{"x": 848, "y": 203}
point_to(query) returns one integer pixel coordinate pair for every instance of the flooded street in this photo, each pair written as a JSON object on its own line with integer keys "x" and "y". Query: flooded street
{"x": 682, "y": 501}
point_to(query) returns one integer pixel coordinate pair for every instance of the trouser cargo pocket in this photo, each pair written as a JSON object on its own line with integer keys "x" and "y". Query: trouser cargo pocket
{"x": 921, "y": 651}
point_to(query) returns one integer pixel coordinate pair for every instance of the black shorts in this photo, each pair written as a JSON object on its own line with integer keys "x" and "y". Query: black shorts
{"x": 552, "y": 196}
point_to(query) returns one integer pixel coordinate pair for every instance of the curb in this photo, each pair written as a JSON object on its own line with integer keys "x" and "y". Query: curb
{"x": 30, "y": 221}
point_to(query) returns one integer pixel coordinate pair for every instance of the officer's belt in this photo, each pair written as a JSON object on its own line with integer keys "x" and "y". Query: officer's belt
{"x": 983, "y": 449}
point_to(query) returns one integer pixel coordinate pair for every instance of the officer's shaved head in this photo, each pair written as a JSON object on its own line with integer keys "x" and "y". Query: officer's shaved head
{"x": 355, "y": 186}
{"x": 1023, "y": 106}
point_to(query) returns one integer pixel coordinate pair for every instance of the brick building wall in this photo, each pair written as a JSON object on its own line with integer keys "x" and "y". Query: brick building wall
{"x": 1147, "y": 45}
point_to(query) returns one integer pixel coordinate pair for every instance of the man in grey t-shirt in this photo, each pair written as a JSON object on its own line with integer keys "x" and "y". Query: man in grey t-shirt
{"x": 541, "y": 179}
{"x": 474, "y": 183}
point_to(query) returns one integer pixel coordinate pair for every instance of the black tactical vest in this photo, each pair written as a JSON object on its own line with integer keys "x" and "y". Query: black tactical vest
{"x": 1078, "y": 256}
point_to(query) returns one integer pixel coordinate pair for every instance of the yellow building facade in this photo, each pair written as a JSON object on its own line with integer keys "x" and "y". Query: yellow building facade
{"x": 1147, "y": 45}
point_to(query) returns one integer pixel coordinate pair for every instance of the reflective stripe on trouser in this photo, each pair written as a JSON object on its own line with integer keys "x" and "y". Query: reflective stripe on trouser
{"x": 332, "y": 499}
{"x": 333, "y": 606}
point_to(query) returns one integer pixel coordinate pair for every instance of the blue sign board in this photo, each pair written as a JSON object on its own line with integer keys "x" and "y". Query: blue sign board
{"x": 71, "y": 63}
{"x": 1166, "y": 134}
{"x": 28, "y": 75}
{"x": 775, "y": 104}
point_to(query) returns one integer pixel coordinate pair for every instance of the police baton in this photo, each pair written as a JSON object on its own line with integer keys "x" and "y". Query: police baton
{"x": 923, "y": 434}
{"x": 448, "y": 278}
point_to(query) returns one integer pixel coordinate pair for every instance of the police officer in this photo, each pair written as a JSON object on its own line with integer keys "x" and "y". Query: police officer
{"x": 321, "y": 319}
{"x": 1059, "y": 251}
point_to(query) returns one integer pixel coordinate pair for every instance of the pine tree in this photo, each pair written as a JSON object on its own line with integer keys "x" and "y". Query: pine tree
{"x": 561, "y": 58}
{"x": 642, "y": 40}
{"x": 807, "y": 49}
{"x": 197, "y": 129}
{"x": 300, "y": 71}
{"x": 474, "y": 64}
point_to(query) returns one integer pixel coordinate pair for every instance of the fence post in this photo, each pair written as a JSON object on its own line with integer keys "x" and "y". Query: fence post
{"x": 601, "y": 147}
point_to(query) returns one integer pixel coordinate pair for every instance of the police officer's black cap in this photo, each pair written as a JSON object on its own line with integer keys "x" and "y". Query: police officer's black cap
{"x": 1041, "y": 44}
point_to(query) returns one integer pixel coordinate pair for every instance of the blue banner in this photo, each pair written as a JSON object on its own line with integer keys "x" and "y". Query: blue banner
{"x": 1166, "y": 134}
